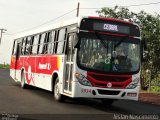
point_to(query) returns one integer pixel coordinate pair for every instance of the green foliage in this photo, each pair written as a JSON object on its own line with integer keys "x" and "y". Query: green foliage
{"x": 150, "y": 30}
{"x": 2, "y": 66}
{"x": 155, "y": 88}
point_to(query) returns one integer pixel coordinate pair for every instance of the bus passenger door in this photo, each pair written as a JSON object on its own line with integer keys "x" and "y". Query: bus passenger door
{"x": 69, "y": 63}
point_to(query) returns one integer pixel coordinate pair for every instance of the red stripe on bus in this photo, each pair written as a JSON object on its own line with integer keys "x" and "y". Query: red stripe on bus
{"x": 43, "y": 64}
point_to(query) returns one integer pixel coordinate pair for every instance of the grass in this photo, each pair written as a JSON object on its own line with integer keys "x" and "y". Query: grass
{"x": 4, "y": 66}
{"x": 155, "y": 89}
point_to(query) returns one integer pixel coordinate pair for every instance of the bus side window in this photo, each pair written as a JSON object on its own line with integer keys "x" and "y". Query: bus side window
{"x": 31, "y": 44}
{"x": 46, "y": 41}
{"x": 23, "y": 46}
{"x": 18, "y": 49}
{"x": 51, "y": 42}
{"x": 35, "y": 44}
{"x": 55, "y": 41}
{"x": 20, "y": 46}
{"x": 14, "y": 48}
{"x": 41, "y": 43}
{"x": 61, "y": 39}
{"x": 27, "y": 49}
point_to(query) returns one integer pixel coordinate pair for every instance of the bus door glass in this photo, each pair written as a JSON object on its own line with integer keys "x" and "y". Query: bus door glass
{"x": 69, "y": 63}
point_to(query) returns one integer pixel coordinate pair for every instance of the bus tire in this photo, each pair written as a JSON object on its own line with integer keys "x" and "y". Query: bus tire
{"x": 107, "y": 102}
{"x": 57, "y": 96}
{"x": 23, "y": 84}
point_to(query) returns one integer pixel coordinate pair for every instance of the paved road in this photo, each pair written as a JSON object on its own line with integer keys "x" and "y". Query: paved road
{"x": 17, "y": 101}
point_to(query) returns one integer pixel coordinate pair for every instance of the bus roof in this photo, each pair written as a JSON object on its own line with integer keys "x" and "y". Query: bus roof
{"x": 49, "y": 27}
{"x": 64, "y": 23}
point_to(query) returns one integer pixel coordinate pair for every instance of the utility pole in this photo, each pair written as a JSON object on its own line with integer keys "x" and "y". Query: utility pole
{"x": 1, "y": 32}
{"x": 78, "y": 9}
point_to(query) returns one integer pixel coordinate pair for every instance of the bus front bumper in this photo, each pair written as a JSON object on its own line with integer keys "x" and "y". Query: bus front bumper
{"x": 109, "y": 93}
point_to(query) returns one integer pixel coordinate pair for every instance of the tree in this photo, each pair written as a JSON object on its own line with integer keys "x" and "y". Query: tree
{"x": 150, "y": 27}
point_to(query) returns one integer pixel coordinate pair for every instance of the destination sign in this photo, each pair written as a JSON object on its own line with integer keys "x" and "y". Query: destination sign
{"x": 104, "y": 25}
{"x": 111, "y": 28}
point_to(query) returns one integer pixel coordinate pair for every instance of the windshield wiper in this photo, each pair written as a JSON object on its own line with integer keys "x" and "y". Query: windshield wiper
{"x": 101, "y": 40}
{"x": 121, "y": 40}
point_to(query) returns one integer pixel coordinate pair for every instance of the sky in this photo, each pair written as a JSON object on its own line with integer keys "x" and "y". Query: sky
{"x": 21, "y": 15}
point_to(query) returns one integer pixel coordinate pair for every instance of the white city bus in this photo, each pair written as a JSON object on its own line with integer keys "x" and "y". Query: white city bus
{"x": 89, "y": 57}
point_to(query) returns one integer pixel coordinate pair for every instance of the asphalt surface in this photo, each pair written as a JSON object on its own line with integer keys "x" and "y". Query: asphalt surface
{"x": 16, "y": 102}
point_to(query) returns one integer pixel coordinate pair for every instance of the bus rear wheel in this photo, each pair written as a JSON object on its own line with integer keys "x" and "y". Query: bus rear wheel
{"x": 57, "y": 95}
{"x": 23, "y": 84}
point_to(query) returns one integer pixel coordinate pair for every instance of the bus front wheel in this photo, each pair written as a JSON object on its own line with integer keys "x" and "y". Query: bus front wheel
{"x": 57, "y": 95}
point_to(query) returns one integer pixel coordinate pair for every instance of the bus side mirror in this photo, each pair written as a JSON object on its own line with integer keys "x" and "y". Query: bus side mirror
{"x": 144, "y": 51}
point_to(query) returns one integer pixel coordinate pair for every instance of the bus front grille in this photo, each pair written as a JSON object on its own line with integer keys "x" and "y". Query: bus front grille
{"x": 108, "y": 92}
{"x": 102, "y": 80}
{"x": 110, "y": 78}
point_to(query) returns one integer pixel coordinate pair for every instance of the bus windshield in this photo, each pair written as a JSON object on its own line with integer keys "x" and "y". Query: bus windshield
{"x": 108, "y": 53}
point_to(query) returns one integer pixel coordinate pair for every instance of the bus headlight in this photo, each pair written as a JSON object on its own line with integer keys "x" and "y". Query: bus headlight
{"x": 133, "y": 84}
{"x": 82, "y": 79}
